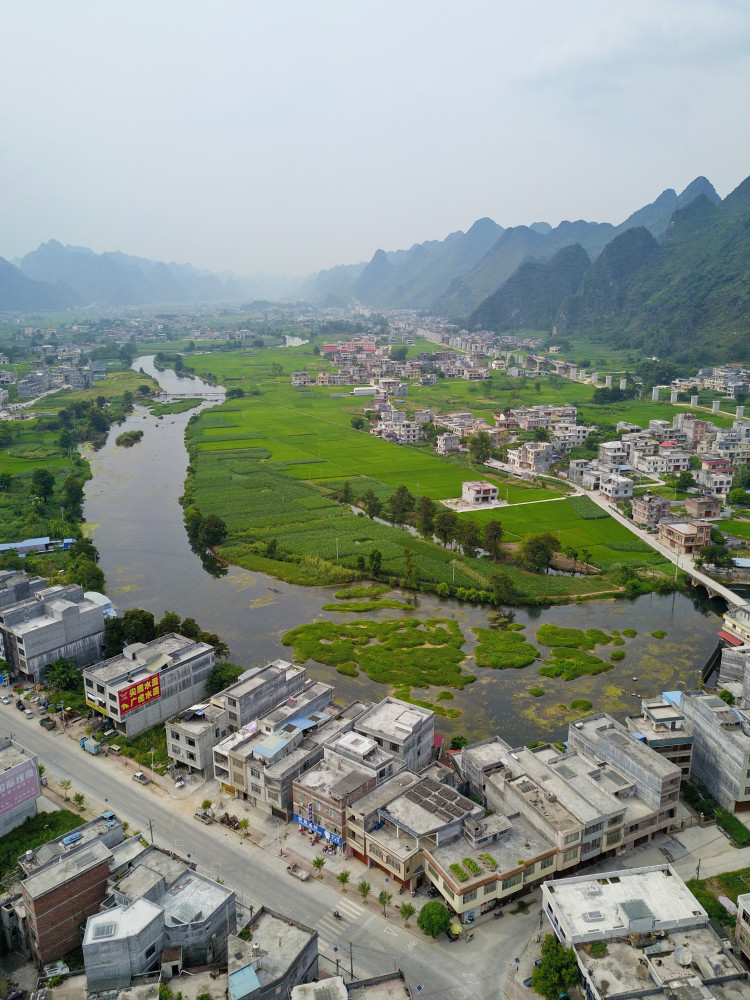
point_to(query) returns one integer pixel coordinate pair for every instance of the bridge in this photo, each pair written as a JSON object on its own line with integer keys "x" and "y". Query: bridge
{"x": 190, "y": 395}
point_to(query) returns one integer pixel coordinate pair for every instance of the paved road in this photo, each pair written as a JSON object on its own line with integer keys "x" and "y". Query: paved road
{"x": 453, "y": 971}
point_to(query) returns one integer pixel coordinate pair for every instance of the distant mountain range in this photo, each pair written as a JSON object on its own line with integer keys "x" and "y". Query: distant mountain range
{"x": 673, "y": 278}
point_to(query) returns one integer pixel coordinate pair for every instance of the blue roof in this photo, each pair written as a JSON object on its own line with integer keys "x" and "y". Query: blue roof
{"x": 302, "y": 722}
{"x": 674, "y": 696}
{"x": 243, "y": 982}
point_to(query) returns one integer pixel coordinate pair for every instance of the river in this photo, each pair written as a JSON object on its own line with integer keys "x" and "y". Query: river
{"x": 136, "y": 521}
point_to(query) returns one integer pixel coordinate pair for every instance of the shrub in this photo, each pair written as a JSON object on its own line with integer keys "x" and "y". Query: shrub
{"x": 472, "y": 866}
{"x": 458, "y": 871}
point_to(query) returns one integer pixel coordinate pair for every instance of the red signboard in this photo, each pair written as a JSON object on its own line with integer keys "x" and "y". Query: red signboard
{"x": 138, "y": 694}
{"x": 18, "y": 784}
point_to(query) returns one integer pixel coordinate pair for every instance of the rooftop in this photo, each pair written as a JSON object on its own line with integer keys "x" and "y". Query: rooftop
{"x": 12, "y": 753}
{"x": 69, "y": 842}
{"x": 393, "y": 719}
{"x": 141, "y": 659}
{"x": 332, "y": 781}
{"x": 281, "y": 940}
{"x": 256, "y": 677}
{"x": 197, "y": 718}
{"x": 120, "y": 921}
{"x": 428, "y": 806}
{"x": 192, "y": 898}
{"x": 383, "y": 793}
{"x": 44, "y": 881}
{"x": 607, "y": 729}
{"x": 592, "y": 905}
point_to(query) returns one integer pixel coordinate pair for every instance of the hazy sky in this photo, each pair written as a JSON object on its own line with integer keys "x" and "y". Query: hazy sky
{"x": 291, "y": 135}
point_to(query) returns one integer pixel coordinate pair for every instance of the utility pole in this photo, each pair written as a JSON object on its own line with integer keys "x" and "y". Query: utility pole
{"x": 151, "y": 829}
{"x": 351, "y": 961}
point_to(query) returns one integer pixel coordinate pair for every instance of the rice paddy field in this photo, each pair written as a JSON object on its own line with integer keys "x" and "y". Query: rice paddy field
{"x": 271, "y": 463}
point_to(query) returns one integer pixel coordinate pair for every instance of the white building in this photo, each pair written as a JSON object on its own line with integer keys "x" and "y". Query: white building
{"x": 479, "y": 492}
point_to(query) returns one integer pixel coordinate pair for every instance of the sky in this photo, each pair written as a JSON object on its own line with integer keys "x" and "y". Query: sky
{"x": 293, "y": 135}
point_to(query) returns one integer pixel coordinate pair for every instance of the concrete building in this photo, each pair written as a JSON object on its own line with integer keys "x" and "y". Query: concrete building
{"x": 259, "y": 690}
{"x": 406, "y": 730}
{"x": 566, "y": 436}
{"x": 106, "y": 829}
{"x": 616, "y": 487}
{"x": 283, "y": 954}
{"x": 148, "y": 682}
{"x": 60, "y": 898}
{"x": 649, "y": 509}
{"x": 199, "y": 916}
{"x": 193, "y": 733}
{"x": 122, "y": 943}
{"x": 17, "y": 586}
{"x": 323, "y": 793}
{"x": 721, "y": 748}
{"x": 447, "y": 443}
{"x": 53, "y": 622}
{"x": 478, "y": 492}
{"x": 742, "y": 927}
{"x": 662, "y": 727}
{"x": 686, "y": 537}
{"x": 533, "y": 458}
{"x": 19, "y": 785}
{"x": 658, "y": 941}
{"x": 703, "y": 507}
{"x": 370, "y": 839}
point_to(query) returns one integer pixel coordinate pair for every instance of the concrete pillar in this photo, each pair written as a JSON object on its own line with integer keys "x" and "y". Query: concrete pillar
{"x": 740, "y": 412}
{"x": 715, "y": 406}
{"x": 693, "y": 400}
{"x": 623, "y": 384}
{"x": 655, "y": 394}
{"x": 573, "y": 371}
{"x": 608, "y": 381}
{"x": 595, "y": 378}
{"x": 673, "y": 396}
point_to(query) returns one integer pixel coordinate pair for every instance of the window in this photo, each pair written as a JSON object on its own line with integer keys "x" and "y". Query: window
{"x": 191, "y": 756}
{"x": 256, "y": 789}
{"x": 394, "y": 747}
{"x": 90, "y": 684}
{"x": 547, "y": 862}
{"x": 254, "y": 773}
{"x": 513, "y": 880}
{"x": 595, "y": 828}
{"x": 176, "y": 737}
{"x": 190, "y": 743}
{"x": 470, "y": 895}
{"x": 490, "y": 888}
{"x": 614, "y": 837}
{"x": 571, "y": 855}
{"x": 273, "y": 796}
{"x": 571, "y": 838}
{"x": 100, "y": 688}
{"x": 150, "y": 950}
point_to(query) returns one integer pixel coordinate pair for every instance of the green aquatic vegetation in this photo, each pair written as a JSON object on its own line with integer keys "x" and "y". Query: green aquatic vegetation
{"x": 503, "y": 649}
{"x": 581, "y": 705}
{"x": 618, "y": 641}
{"x": 359, "y": 606}
{"x": 617, "y": 655}
{"x": 400, "y": 652}
{"x": 446, "y": 696}
{"x": 536, "y": 692}
{"x": 369, "y": 593}
{"x": 128, "y": 439}
{"x": 659, "y": 634}
{"x": 555, "y": 635}
{"x": 630, "y": 633}
{"x": 174, "y": 406}
{"x": 572, "y": 663}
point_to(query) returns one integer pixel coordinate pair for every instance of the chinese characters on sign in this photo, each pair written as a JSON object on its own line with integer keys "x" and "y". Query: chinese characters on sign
{"x": 138, "y": 694}
{"x": 18, "y": 784}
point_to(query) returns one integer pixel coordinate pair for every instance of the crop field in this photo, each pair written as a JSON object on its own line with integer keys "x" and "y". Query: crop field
{"x": 271, "y": 463}
{"x": 735, "y": 527}
{"x": 115, "y": 384}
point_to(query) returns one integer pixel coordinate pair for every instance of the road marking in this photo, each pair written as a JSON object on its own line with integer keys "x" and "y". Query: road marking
{"x": 387, "y": 930}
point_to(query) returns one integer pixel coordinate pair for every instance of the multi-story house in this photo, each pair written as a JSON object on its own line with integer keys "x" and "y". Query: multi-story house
{"x": 406, "y": 730}
{"x": 649, "y": 509}
{"x": 686, "y": 537}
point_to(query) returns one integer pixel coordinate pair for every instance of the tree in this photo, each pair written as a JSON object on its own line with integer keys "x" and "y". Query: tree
{"x": 139, "y": 626}
{"x": 213, "y": 531}
{"x": 492, "y": 538}
{"x": 357, "y": 423}
{"x": 738, "y": 497}
{"x": 170, "y": 622}
{"x": 65, "y": 785}
{"x": 585, "y": 556}
{"x": 558, "y": 971}
{"x": 73, "y": 494}
{"x": 114, "y": 637}
{"x": 445, "y": 526}
{"x": 384, "y": 898}
{"x": 6, "y": 435}
{"x": 190, "y": 628}
{"x": 410, "y": 567}
{"x": 425, "y": 516}
{"x": 399, "y": 505}
{"x": 42, "y": 483}
{"x": 6, "y": 480}
{"x": 406, "y": 911}
{"x": 316, "y": 350}
{"x": 502, "y": 588}
{"x": 343, "y": 879}
{"x": 319, "y": 864}
{"x": 480, "y": 447}
{"x": 375, "y": 559}
{"x": 235, "y": 393}
{"x": 364, "y": 889}
{"x": 79, "y": 799}
{"x": 457, "y": 742}
{"x": 398, "y": 353}
{"x": 345, "y": 493}
{"x": 468, "y": 537}
{"x": 434, "y": 918}
{"x": 534, "y": 553}
{"x": 371, "y": 503}
{"x": 572, "y": 554}
{"x": 221, "y": 676}
{"x": 727, "y": 696}
{"x": 540, "y": 434}
{"x": 63, "y": 675}
{"x": 685, "y": 481}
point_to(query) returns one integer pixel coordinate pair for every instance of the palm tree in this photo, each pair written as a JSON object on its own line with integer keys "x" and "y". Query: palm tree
{"x": 384, "y": 898}
{"x": 343, "y": 878}
{"x": 78, "y": 798}
{"x": 364, "y": 889}
{"x": 319, "y": 864}
{"x": 65, "y": 785}
{"x": 407, "y": 911}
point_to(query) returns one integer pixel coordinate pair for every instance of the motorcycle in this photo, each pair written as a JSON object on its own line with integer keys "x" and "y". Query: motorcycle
{"x": 337, "y": 915}
{"x": 400, "y": 890}
{"x": 497, "y": 914}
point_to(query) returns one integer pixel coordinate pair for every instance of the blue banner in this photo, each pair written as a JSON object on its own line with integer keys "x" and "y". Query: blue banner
{"x": 333, "y": 837}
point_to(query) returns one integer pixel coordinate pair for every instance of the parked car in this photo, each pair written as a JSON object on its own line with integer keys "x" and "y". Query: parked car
{"x": 527, "y": 983}
{"x": 300, "y": 873}
{"x": 115, "y": 749}
{"x": 5, "y": 699}
{"x": 48, "y": 723}
{"x": 20, "y": 705}
{"x": 204, "y": 817}
{"x": 28, "y": 713}
{"x": 141, "y": 777}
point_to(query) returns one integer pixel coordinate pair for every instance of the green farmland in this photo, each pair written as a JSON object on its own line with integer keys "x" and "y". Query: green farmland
{"x": 270, "y": 465}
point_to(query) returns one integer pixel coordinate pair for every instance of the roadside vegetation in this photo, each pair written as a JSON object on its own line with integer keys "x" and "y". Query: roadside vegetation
{"x": 32, "y": 833}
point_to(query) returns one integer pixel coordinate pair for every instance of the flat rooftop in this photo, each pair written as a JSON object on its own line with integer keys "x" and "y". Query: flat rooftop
{"x": 142, "y": 659}
{"x": 428, "y": 806}
{"x": 510, "y": 851}
{"x": 120, "y": 921}
{"x": 393, "y": 719}
{"x": 280, "y": 940}
{"x": 601, "y": 727}
{"x": 50, "y": 878}
{"x": 594, "y": 905}
{"x": 384, "y": 793}
{"x": 192, "y": 898}
{"x": 198, "y": 718}
{"x": 84, "y": 834}
{"x": 486, "y": 754}
{"x": 258, "y": 677}
{"x": 332, "y": 781}
{"x": 12, "y": 753}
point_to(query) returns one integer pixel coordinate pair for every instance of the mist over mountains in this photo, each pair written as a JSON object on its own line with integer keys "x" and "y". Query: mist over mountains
{"x": 672, "y": 277}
